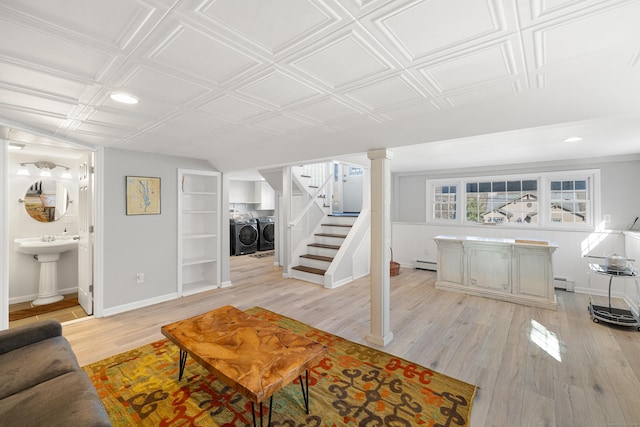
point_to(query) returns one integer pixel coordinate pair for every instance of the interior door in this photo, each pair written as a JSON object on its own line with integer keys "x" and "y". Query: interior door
{"x": 85, "y": 234}
{"x": 352, "y": 189}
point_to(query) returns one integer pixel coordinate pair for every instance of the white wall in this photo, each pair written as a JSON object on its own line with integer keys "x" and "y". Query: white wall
{"x": 140, "y": 243}
{"x": 24, "y": 270}
{"x": 412, "y": 235}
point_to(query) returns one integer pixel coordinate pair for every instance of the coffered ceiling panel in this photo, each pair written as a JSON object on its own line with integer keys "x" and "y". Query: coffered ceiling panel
{"x": 472, "y": 68}
{"x": 28, "y": 101}
{"x": 386, "y": 93}
{"x": 420, "y": 108}
{"x": 185, "y": 128}
{"x": 130, "y": 121}
{"x": 234, "y": 108}
{"x": 46, "y": 121}
{"x": 326, "y": 110}
{"x": 97, "y": 128}
{"x": 271, "y": 25}
{"x": 588, "y": 34}
{"x": 282, "y": 123}
{"x": 343, "y": 61}
{"x": 20, "y": 76}
{"x": 287, "y": 81}
{"x": 421, "y": 28}
{"x": 278, "y": 89}
{"x": 480, "y": 94}
{"x": 190, "y": 51}
{"x": 50, "y": 52}
{"x": 99, "y": 20}
{"x": 145, "y": 81}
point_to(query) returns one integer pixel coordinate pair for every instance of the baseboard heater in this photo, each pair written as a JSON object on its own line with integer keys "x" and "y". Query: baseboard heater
{"x": 563, "y": 283}
{"x": 426, "y": 265}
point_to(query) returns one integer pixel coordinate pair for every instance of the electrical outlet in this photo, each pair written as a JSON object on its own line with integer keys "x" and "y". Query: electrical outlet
{"x": 140, "y": 277}
{"x": 607, "y": 218}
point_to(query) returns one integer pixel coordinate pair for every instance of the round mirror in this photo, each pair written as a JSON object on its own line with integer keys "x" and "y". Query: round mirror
{"x": 46, "y": 200}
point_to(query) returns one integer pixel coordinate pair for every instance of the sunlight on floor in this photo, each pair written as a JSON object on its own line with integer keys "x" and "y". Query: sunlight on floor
{"x": 545, "y": 339}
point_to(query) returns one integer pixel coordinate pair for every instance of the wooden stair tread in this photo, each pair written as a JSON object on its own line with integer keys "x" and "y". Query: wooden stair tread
{"x": 342, "y": 236}
{"x": 337, "y": 225}
{"x": 317, "y": 257}
{"x": 309, "y": 269}
{"x": 324, "y": 246}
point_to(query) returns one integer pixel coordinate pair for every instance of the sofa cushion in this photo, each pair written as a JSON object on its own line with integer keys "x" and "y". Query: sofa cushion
{"x": 64, "y": 401}
{"x": 32, "y": 364}
{"x": 11, "y": 339}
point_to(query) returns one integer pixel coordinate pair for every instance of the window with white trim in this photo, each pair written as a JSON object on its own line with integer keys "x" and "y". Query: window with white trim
{"x": 569, "y": 201}
{"x": 444, "y": 202}
{"x": 545, "y": 199}
{"x": 502, "y": 201}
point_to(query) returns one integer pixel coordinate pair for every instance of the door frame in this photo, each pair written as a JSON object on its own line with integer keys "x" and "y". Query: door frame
{"x": 4, "y": 235}
{"x": 98, "y": 204}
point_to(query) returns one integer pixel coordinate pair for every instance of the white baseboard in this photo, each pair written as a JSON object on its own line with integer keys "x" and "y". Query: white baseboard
{"x": 138, "y": 304}
{"x": 27, "y": 298}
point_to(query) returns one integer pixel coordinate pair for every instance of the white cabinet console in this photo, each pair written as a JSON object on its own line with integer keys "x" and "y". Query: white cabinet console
{"x": 519, "y": 271}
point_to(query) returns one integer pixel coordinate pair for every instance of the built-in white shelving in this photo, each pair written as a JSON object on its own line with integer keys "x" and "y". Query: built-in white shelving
{"x": 198, "y": 231}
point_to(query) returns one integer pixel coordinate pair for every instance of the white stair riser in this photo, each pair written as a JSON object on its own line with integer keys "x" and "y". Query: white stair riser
{"x": 335, "y": 230}
{"x": 307, "y": 277}
{"x": 342, "y": 219}
{"x": 321, "y": 251}
{"x": 325, "y": 240}
{"x": 315, "y": 263}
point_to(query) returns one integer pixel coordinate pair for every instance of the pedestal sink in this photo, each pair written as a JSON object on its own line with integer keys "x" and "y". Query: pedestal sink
{"x": 47, "y": 251}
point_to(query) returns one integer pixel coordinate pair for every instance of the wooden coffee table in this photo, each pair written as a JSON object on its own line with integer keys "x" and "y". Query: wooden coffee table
{"x": 255, "y": 357}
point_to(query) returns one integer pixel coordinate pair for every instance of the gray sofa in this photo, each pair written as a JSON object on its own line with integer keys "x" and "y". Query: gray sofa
{"x": 41, "y": 383}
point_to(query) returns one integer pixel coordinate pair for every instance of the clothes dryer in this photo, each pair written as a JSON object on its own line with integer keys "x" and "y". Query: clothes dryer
{"x": 244, "y": 236}
{"x": 266, "y": 233}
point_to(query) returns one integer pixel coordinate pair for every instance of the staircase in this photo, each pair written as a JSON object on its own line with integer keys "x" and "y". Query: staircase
{"x": 320, "y": 253}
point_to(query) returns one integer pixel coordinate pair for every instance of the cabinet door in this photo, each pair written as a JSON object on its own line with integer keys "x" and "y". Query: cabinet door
{"x": 489, "y": 267}
{"x": 265, "y": 196}
{"x": 450, "y": 263}
{"x": 533, "y": 272}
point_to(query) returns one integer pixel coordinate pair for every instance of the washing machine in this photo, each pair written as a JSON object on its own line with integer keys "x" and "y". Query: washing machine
{"x": 244, "y": 236}
{"x": 266, "y": 233}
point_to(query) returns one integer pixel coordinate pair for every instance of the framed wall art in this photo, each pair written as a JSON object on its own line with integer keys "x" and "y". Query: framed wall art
{"x": 143, "y": 195}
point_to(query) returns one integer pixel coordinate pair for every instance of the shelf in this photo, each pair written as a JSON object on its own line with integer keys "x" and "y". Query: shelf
{"x": 199, "y": 236}
{"x": 199, "y": 230}
{"x": 195, "y": 261}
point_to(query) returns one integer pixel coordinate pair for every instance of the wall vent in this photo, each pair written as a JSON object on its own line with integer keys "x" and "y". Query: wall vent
{"x": 426, "y": 265}
{"x": 564, "y": 283}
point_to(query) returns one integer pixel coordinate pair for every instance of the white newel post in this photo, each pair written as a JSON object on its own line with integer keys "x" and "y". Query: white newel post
{"x": 380, "y": 247}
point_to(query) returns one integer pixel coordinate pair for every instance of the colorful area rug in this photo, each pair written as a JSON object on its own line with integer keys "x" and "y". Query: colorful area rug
{"x": 42, "y": 309}
{"x": 354, "y": 385}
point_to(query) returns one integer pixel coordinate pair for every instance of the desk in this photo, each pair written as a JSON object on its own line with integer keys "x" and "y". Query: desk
{"x": 255, "y": 357}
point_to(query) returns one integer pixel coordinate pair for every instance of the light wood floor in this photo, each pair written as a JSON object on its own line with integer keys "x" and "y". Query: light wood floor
{"x": 534, "y": 367}
{"x": 63, "y": 315}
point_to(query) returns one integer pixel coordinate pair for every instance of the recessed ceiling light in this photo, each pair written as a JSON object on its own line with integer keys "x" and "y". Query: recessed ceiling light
{"x": 573, "y": 139}
{"x": 124, "y": 98}
{"x": 15, "y": 146}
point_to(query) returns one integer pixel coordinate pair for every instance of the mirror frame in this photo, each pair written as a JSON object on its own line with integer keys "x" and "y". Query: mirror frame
{"x": 45, "y": 206}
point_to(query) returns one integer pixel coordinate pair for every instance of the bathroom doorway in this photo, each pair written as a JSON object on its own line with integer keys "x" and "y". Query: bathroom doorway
{"x": 23, "y": 277}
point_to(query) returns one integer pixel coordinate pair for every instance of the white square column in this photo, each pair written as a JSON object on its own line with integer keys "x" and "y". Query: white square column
{"x": 380, "y": 247}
